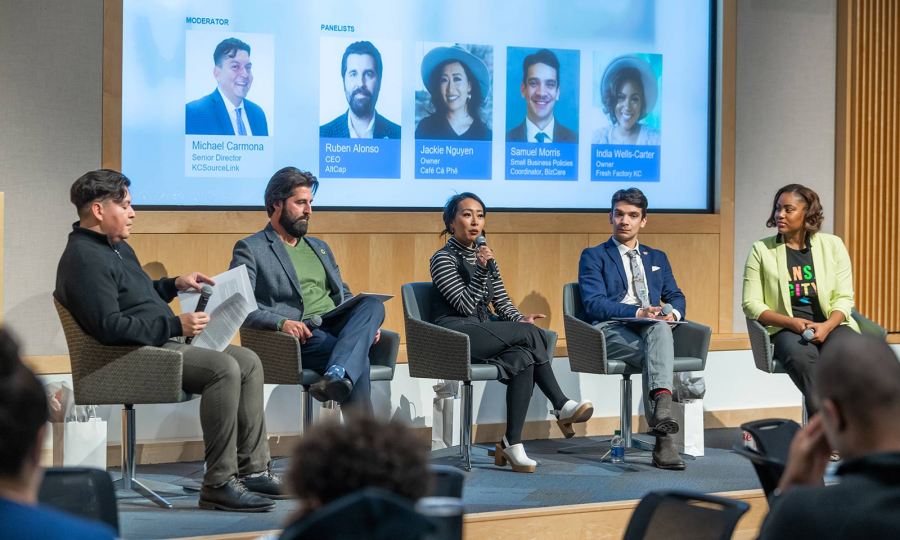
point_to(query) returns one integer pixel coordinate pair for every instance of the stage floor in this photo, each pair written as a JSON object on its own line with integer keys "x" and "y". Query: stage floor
{"x": 561, "y": 479}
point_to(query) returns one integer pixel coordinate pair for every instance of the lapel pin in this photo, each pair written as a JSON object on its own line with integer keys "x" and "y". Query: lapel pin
{"x": 322, "y": 251}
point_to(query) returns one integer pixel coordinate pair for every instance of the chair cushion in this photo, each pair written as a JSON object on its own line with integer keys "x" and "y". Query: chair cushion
{"x": 485, "y": 372}
{"x": 682, "y": 363}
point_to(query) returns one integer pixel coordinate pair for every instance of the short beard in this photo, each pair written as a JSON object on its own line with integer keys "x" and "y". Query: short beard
{"x": 296, "y": 228}
{"x": 362, "y": 109}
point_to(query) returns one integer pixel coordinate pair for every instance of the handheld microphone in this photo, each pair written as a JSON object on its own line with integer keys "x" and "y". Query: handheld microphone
{"x": 492, "y": 264}
{"x": 313, "y": 322}
{"x": 666, "y": 309}
{"x": 808, "y": 334}
{"x": 205, "y": 292}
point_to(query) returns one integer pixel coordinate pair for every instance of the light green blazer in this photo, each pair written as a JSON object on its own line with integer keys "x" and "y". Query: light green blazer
{"x": 766, "y": 278}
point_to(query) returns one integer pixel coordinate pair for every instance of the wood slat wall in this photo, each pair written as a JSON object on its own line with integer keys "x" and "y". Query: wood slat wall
{"x": 867, "y": 168}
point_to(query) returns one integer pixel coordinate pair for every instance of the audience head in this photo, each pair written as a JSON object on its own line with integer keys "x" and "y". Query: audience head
{"x": 333, "y": 460}
{"x": 796, "y": 207}
{"x": 858, "y": 386}
{"x": 23, "y": 414}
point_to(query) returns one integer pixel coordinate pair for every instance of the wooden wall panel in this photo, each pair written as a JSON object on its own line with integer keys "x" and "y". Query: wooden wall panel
{"x": 867, "y": 171}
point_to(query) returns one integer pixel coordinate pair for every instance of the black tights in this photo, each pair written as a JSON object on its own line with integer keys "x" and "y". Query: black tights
{"x": 518, "y": 395}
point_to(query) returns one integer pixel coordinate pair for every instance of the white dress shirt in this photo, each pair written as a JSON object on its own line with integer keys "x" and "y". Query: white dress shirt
{"x": 233, "y": 115}
{"x": 631, "y": 297}
{"x": 367, "y": 134}
{"x": 531, "y": 130}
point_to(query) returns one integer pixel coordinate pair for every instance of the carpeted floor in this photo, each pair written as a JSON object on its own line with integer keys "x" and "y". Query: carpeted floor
{"x": 561, "y": 479}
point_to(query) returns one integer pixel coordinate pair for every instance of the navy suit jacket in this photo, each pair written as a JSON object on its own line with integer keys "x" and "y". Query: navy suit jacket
{"x": 209, "y": 116}
{"x": 338, "y": 128}
{"x": 275, "y": 281}
{"x": 561, "y": 134}
{"x": 601, "y": 276}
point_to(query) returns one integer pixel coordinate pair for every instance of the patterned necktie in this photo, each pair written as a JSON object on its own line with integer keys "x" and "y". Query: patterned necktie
{"x": 242, "y": 130}
{"x": 541, "y": 137}
{"x": 637, "y": 277}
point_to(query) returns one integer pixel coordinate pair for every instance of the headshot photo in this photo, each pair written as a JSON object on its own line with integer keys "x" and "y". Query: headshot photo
{"x": 227, "y": 110}
{"x": 542, "y": 95}
{"x": 628, "y": 94}
{"x": 455, "y": 100}
{"x": 351, "y": 76}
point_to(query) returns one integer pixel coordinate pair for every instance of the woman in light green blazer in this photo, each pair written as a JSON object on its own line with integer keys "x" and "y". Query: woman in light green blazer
{"x": 800, "y": 280}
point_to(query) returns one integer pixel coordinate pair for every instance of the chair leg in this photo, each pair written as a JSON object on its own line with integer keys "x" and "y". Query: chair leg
{"x": 306, "y": 410}
{"x": 804, "y": 413}
{"x": 466, "y": 421}
{"x": 128, "y": 482}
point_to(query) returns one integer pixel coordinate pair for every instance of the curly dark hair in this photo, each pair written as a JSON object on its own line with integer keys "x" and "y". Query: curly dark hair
{"x": 473, "y": 106}
{"x": 610, "y": 92}
{"x": 451, "y": 207}
{"x": 333, "y": 460}
{"x": 814, "y": 214}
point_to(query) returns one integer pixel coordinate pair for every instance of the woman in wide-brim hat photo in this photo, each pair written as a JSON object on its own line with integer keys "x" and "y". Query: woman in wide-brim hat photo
{"x": 458, "y": 82}
{"x": 628, "y": 90}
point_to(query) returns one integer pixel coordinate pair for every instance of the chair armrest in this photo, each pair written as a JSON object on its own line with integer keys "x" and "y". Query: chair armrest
{"x": 435, "y": 352}
{"x": 869, "y": 327}
{"x": 111, "y": 375}
{"x": 692, "y": 340}
{"x": 384, "y": 353}
{"x": 587, "y": 346}
{"x": 761, "y": 345}
{"x": 278, "y": 352}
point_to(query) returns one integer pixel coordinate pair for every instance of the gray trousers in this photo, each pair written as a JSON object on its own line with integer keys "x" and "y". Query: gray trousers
{"x": 649, "y": 347}
{"x": 231, "y": 409}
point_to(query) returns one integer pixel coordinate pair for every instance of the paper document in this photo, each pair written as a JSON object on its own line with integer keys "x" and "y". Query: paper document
{"x": 231, "y": 301}
{"x": 355, "y": 300}
{"x": 644, "y": 320}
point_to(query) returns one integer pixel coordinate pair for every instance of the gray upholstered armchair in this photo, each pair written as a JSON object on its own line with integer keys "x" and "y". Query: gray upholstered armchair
{"x": 282, "y": 362}
{"x": 764, "y": 350}
{"x": 587, "y": 354}
{"x": 128, "y": 375}
{"x": 435, "y": 352}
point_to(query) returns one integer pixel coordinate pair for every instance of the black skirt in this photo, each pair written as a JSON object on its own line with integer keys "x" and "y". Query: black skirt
{"x": 511, "y": 346}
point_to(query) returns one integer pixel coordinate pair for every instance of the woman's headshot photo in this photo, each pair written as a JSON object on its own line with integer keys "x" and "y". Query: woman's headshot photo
{"x": 629, "y": 96}
{"x": 456, "y": 101}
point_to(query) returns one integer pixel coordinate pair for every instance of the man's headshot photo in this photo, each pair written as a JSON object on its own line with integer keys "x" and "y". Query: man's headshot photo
{"x": 226, "y": 110}
{"x": 361, "y": 74}
{"x": 540, "y": 86}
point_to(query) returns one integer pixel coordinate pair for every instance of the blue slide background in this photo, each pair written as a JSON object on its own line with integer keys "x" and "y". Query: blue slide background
{"x": 157, "y": 155}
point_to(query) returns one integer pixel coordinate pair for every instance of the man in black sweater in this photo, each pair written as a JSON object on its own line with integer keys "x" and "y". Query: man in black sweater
{"x": 100, "y": 281}
{"x": 858, "y": 386}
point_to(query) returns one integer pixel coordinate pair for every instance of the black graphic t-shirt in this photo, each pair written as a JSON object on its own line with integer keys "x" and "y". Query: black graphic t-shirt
{"x": 802, "y": 285}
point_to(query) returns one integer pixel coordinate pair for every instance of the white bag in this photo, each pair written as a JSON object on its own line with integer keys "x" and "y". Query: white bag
{"x": 80, "y": 444}
{"x": 445, "y": 422}
{"x": 689, "y": 439}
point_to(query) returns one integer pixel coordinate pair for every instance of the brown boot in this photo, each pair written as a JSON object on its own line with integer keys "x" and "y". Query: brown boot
{"x": 665, "y": 456}
{"x": 662, "y": 421}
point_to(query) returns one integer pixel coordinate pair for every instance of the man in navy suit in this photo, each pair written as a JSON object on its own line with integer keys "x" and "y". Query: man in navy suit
{"x": 361, "y": 70}
{"x": 540, "y": 90}
{"x": 227, "y": 111}
{"x": 622, "y": 278}
{"x": 296, "y": 279}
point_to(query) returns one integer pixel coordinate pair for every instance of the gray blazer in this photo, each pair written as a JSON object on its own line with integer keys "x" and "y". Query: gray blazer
{"x": 275, "y": 281}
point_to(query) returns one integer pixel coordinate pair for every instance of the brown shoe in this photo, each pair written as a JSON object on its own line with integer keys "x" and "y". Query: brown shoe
{"x": 665, "y": 456}
{"x": 662, "y": 421}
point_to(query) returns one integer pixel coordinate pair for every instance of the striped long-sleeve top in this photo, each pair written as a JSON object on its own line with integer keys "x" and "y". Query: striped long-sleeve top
{"x": 465, "y": 298}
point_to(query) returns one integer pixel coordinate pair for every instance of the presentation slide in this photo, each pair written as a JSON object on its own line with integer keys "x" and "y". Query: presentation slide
{"x": 531, "y": 104}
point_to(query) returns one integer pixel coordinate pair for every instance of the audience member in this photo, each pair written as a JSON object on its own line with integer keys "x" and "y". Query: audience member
{"x": 334, "y": 469}
{"x": 23, "y": 425}
{"x": 858, "y": 385}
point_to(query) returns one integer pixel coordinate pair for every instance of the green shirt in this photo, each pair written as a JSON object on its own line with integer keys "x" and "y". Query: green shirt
{"x": 313, "y": 282}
